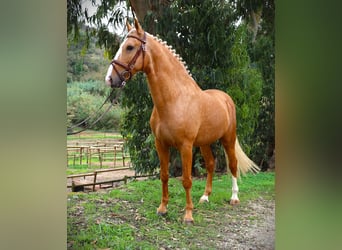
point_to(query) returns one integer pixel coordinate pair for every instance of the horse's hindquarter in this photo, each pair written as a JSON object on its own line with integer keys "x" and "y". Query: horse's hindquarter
{"x": 216, "y": 116}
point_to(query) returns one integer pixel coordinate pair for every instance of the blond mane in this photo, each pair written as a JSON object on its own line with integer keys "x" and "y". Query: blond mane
{"x": 173, "y": 52}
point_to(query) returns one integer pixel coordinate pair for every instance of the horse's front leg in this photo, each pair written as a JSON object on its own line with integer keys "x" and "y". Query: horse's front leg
{"x": 164, "y": 155}
{"x": 186, "y": 155}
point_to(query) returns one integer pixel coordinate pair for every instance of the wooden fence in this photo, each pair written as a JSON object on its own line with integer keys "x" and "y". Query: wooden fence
{"x": 99, "y": 153}
{"x": 92, "y": 152}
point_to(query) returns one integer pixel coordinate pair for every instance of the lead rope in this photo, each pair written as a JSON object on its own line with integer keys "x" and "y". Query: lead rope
{"x": 98, "y": 119}
{"x": 88, "y": 118}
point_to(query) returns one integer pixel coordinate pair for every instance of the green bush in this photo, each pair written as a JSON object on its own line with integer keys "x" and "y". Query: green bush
{"x": 84, "y": 101}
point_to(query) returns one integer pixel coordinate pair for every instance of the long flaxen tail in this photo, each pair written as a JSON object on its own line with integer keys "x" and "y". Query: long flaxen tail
{"x": 244, "y": 163}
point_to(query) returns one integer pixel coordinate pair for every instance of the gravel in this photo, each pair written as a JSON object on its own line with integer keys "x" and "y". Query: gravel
{"x": 252, "y": 227}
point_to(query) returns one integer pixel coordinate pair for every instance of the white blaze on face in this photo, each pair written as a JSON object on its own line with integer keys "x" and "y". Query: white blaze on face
{"x": 109, "y": 75}
{"x": 110, "y": 68}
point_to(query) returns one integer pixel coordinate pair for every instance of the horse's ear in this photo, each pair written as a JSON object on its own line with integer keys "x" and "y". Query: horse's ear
{"x": 129, "y": 27}
{"x": 137, "y": 25}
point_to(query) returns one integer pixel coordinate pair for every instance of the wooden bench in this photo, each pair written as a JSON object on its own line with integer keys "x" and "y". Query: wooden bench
{"x": 78, "y": 185}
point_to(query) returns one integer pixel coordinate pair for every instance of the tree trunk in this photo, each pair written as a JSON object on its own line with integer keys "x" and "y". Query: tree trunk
{"x": 142, "y": 7}
{"x": 255, "y": 22}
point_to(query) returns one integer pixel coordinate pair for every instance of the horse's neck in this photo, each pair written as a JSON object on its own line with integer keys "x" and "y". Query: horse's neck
{"x": 167, "y": 76}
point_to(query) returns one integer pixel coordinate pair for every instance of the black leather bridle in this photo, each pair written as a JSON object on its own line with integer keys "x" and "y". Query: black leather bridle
{"x": 126, "y": 75}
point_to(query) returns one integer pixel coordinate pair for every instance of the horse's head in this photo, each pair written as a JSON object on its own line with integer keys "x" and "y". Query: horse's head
{"x": 129, "y": 59}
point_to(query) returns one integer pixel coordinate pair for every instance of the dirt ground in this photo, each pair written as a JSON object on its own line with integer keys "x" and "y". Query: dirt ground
{"x": 246, "y": 234}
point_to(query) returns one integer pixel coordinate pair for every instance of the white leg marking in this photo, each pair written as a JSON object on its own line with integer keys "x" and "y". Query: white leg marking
{"x": 204, "y": 198}
{"x": 235, "y": 189}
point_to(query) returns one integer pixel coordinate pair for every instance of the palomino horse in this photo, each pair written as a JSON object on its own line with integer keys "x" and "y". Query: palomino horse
{"x": 183, "y": 115}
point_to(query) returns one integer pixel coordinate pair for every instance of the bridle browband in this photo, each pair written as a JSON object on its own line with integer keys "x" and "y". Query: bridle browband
{"x": 126, "y": 75}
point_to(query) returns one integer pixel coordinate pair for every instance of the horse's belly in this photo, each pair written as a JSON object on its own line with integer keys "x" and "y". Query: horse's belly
{"x": 174, "y": 133}
{"x": 208, "y": 136}
{"x": 213, "y": 127}
{"x": 175, "y": 136}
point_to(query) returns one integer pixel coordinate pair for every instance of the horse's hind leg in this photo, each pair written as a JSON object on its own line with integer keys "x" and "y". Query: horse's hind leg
{"x": 210, "y": 165}
{"x": 229, "y": 147}
{"x": 164, "y": 155}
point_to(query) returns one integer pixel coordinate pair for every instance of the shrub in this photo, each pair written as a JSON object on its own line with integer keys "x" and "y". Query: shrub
{"x": 84, "y": 101}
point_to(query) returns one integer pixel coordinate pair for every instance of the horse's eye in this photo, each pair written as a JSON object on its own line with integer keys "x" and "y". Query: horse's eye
{"x": 130, "y": 47}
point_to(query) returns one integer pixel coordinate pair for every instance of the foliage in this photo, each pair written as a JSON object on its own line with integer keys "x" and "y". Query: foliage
{"x": 85, "y": 60}
{"x": 84, "y": 100}
{"x": 244, "y": 85}
{"x": 261, "y": 50}
{"x": 263, "y": 53}
{"x": 125, "y": 217}
{"x": 78, "y": 17}
{"x": 74, "y": 13}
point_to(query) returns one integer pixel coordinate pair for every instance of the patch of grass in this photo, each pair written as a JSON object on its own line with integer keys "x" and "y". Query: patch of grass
{"x": 125, "y": 218}
{"x": 91, "y": 134}
{"x": 79, "y": 169}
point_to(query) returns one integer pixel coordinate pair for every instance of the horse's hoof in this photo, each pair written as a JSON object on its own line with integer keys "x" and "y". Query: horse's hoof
{"x": 234, "y": 202}
{"x": 203, "y": 199}
{"x": 161, "y": 213}
{"x": 188, "y": 222}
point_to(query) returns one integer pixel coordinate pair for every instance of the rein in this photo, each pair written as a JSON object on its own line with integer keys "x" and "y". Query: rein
{"x": 98, "y": 119}
{"x": 126, "y": 75}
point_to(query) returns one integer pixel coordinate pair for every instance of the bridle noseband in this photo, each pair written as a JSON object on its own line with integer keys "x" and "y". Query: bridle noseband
{"x": 126, "y": 75}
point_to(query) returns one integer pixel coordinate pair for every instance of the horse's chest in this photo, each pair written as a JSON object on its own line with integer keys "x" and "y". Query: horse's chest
{"x": 168, "y": 133}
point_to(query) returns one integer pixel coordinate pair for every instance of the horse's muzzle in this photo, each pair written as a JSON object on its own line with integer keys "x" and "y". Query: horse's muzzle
{"x": 114, "y": 83}
{"x": 109, "y": 81}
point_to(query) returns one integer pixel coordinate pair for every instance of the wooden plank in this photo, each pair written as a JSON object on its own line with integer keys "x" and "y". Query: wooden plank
{"x": 110, "y": 169}
{"x": 110, "y": 181}
{"x": 99, "y": 183}
{"x": 79, "y": 175}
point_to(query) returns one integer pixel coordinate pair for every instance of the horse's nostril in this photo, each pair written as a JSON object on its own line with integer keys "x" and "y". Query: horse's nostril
{"x": 109, "y": 80}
